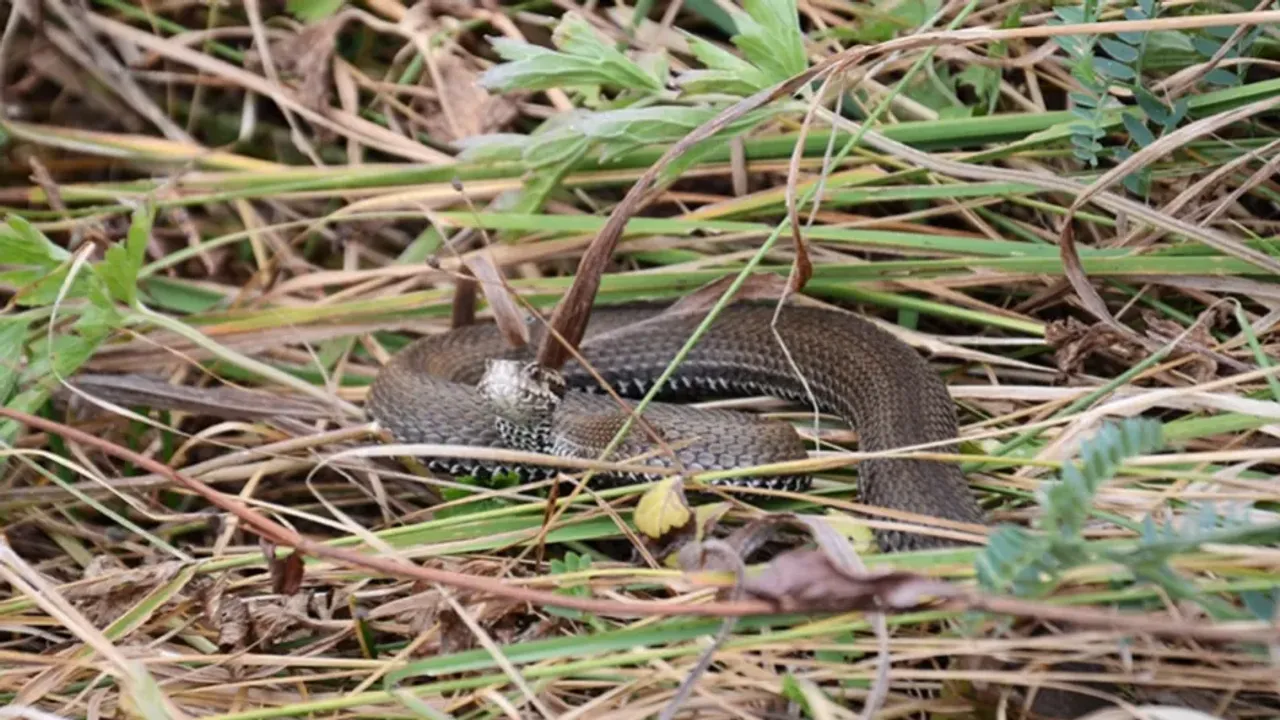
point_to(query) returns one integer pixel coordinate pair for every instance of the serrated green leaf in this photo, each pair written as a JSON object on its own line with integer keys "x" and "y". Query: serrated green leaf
{"x": 719, "y": 82}
{"x": 584, "y": 58}
{"x": 650, "y": 124}
{"x": 688, "y": 159}
{"x": 655, "y": 65}
{"x": 555, "y": 149}
{"x": 22, "y": 244}
{"x": 575, "y": 36}
{"x": 115, "y": 271}
{"x": 769, "y": 35}
{"x": 715, "y": 57}
{"x": 571, "y": 563}
{"x": 545, "y": 69}
{"x": 13, "y": 338}
{"x": 140, "y": 234}
{"x": 34, "y": 287}
{"x": 494, "y": 147}
{"x": 984, "y": 80}
{"x": 120, "y": 266}
{"x": 96, "y": 320}
{"x": 516, "y": 50}
{"x": 311, "y": 11}
{"x": 725, "y": 73}
{"x": 619, "y": 131}
{"x": 69, "y": 352}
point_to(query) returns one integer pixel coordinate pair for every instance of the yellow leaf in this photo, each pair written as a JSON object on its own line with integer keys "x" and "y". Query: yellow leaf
{"x": 862, "y": 536}
{"x": 708, "y": 516}
{"x": 662, "y": 509}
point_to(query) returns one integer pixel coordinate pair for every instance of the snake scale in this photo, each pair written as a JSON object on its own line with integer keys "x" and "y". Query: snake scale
{"x": 467, "y": 387}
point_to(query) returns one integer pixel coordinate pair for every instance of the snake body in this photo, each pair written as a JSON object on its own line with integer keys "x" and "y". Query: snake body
{"x": 446, "y": 389}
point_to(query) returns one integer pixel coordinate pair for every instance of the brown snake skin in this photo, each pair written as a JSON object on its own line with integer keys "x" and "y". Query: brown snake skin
{"x": 428, "y": 393}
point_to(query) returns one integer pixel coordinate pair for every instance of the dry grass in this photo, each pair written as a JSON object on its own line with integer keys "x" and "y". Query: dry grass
{"x": 311, "y": 218}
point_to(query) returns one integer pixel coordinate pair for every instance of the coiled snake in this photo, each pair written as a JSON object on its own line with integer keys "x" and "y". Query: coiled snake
{"x": 447, "y": 390}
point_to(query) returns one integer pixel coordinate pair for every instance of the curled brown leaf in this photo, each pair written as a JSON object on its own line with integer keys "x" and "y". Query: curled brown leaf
{"x": 809, "y": 581}
{"x": 307, "y": 57}
{"x": 463, "y": 108}
{"x": 1073, "y": 342}
{"x": 286, "y": 573}
{"x": 506, "y": 312}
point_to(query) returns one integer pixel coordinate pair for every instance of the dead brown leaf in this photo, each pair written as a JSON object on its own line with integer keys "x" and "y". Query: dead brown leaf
{"x": 227, "y": 615}
{"x": 462, "y": 312}
{"x": 274, "y": 621}
{"x": 1073, "y": 342}
{"x": 669, "y": 524}
{"x": 506, "y": 313}
{"x": 463, "y": 108}
{"x": 808, "y": 581}
{"x": 114, "y": 587}
{"x": 1201, "y": 365}
{"x": 503, "y": 620}
{"x": 700, "y": 527}
{"x": 287, "y": 573}
{"x": 306, "y": 58}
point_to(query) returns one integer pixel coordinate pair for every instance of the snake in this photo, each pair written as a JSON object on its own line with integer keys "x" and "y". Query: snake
{"x": 468, "y": 387}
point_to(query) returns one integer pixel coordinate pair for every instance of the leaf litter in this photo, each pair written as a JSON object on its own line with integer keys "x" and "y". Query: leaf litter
{"x": 241, "y": 629}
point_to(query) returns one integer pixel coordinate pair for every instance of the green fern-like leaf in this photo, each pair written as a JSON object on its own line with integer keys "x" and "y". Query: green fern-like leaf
{"x": 1015, "y": 562}
{"x": 1030, "y": 563}
{"x": 1262, "y": 604}
{"x": 1067, "y": 502}
{"x": 1159, "y": 543}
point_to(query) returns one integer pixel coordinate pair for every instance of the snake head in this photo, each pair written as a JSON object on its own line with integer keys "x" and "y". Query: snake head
{"x": 524, "y": 394}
